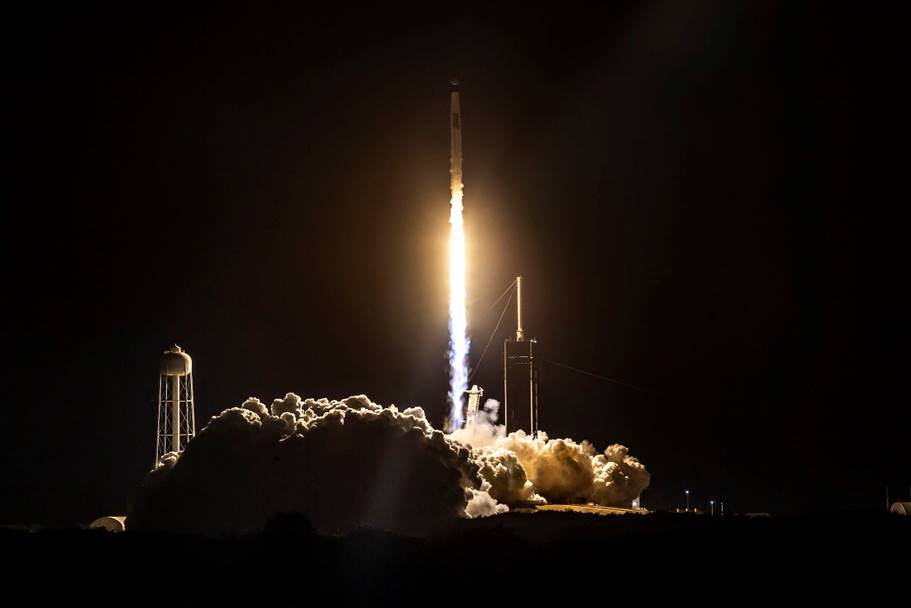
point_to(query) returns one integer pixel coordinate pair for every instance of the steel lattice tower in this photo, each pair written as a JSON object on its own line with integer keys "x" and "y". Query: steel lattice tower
{"x": 176, "y": 414}
{"x": 520, "y": 377}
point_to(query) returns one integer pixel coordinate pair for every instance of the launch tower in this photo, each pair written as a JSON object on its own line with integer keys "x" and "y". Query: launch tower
{"x": 176, "y": 414}
{"x": 520, "y": 376}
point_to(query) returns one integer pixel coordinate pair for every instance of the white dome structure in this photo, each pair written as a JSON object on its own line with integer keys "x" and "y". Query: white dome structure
{"x": 109, "y": 523}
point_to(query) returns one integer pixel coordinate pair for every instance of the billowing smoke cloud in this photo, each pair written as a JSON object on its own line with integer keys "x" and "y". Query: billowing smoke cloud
{"x": 555, "y": 470}
{"x": 352, "y": 463}
{"x": 342, "y": 463}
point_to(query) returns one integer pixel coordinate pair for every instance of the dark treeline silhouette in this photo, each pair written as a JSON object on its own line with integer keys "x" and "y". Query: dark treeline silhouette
{"x": 516, "y": 557}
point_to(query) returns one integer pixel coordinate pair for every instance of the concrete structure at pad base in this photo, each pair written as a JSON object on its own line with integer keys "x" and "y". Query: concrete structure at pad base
{"x": 591, "y": 509}
{"x": 109, "y": 523}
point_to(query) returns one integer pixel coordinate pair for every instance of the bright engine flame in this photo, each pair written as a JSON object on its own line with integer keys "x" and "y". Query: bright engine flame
{"x": 458, "y": 318}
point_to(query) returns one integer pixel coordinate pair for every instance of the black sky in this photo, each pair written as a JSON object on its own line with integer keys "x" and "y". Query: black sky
{"x": 701, "y": 197}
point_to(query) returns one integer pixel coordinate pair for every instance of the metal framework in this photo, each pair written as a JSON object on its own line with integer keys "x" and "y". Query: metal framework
{"x": 474, "y": 400}
{"x": 176, "y": 412}
{"x": 520, "y": 377}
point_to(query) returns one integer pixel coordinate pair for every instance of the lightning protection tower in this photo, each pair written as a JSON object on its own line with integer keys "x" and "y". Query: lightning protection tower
{"x": 176, "y": 414}
{"x": 520, "y": 376}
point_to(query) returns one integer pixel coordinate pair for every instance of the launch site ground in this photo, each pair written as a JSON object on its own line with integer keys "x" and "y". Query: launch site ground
{"x": 549, "y": 555}
{"x": 592, "y": 509}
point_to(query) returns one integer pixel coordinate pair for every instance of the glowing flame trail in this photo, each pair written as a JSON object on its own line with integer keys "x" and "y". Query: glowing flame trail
{"x": 458, "y": 318}
{"x": 458, "y": 321}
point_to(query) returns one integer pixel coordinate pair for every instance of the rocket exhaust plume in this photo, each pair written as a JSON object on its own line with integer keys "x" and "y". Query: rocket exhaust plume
{"x": 458, "y": 318}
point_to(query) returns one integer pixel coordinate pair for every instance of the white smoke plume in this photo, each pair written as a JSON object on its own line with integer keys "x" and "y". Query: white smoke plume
{"x": 553, "y": 470}
{"x": 351, "y": 463}
{"x": 343, "y": 464}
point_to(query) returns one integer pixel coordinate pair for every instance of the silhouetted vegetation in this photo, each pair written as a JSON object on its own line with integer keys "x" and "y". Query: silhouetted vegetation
{"x": 517, "y": 557}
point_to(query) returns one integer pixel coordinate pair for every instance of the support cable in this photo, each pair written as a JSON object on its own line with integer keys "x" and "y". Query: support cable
{"x": 494, "y": 332}
{"x": 497, "y": 301}
{"x": 599, "y": 376}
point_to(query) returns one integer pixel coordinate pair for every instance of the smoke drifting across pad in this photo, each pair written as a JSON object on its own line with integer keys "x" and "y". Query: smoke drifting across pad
{"x": 342, "y": 463}
{"x": 557, "y": 470}
{"x": 346, "y": 464}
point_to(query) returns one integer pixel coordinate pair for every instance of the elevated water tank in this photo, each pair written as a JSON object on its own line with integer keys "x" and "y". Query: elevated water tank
{"x": 176, "y": 414}
{"x": 175, "y": 362}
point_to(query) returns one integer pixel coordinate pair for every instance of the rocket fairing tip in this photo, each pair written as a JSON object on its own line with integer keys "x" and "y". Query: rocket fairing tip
{"x": 454, "y": 85}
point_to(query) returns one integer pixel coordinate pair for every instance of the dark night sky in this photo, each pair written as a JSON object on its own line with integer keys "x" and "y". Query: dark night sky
{"x": 700, "y": 196}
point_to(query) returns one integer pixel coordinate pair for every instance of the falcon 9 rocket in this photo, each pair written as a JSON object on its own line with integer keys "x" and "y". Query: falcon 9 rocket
{"x": 458, "y": 318}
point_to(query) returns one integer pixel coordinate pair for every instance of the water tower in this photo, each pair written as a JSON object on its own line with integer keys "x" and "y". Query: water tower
{"x": 176, "y": 415}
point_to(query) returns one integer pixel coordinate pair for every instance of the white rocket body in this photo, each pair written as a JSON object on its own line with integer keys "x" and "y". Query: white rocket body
{"x": 455, "y": 139}
{"x": 459, "y": 343}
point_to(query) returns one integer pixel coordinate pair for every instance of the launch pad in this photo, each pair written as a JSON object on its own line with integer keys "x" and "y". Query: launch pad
{"x": 590, "y": 509}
